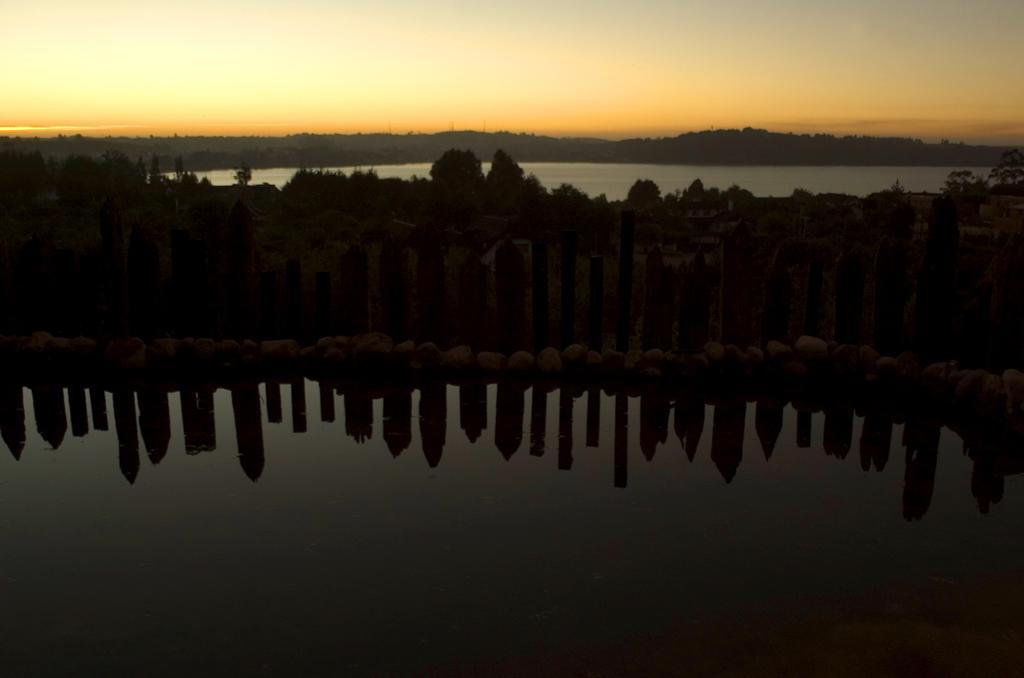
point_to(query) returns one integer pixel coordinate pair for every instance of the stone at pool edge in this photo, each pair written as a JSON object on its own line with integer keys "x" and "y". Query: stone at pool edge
{"x": 549, "y": 361}
{"x": 521, "y": 361}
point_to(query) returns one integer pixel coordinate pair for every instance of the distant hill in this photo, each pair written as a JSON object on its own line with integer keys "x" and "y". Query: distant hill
{"x": 718, "y": 147}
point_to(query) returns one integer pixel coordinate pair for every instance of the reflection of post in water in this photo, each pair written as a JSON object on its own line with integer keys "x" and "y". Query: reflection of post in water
{"x": 397, "y": 422}
{"x": 12, "y": 418}
{"x": 197, "y": 419}
{"x": 727, "y": 437}
{"x": 654, "y": 411}
{"x": 838, "y": 435}
{"x": 127, "y": 433}
{"x": 508, "y": 418}
{"x": 154, "y": 422}
{"x": 768, "y": 423}
{"x": 986, "y": 485}
{"x": 921, "y": 439}
{"x": 875, "y": 440}
{"x": 358, "y": 414}
{"x": 538, "y": 419}
{"x": 274, "y": 411}
{"x": 565, "y": 405}
{"x": 48, "y": 407}
{"x": 326, "y": 402}
{"x": 621, "y": 478}
{"x": 433, "y": 420}
{"x": 473, "y": 409}
{"x": 803, "y": 428}
{"x": 98, "y": 405}
{"x": 689, "y": 422}
{"x": 593, "y": 416}
{"x": 78, "y": 411}
{"x": 298, "y": 392}
{"x": 245, "y": 404}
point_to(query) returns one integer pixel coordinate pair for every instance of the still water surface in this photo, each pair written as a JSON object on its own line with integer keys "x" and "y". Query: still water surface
{"x": 614, "y": 180}
{"x": 300, "y": 529}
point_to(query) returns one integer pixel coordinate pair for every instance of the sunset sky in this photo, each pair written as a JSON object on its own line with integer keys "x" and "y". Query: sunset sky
{"x": 927, "y": 68}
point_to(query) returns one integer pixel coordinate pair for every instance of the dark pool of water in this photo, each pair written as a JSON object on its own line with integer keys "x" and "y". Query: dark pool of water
{"x": 251, "y": 531}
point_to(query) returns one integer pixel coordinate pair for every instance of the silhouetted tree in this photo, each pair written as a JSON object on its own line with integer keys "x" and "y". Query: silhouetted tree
{"x": 1010, "y": 170}
{"x": 643, "y": 193}
{"x": 505, "y": 181}
{"x": 243, "y": 174}
{"x": 155, "y": 178}
{"x": 965, "y": 182}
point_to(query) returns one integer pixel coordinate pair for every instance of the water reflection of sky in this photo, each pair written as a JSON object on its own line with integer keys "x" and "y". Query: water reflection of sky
{"x": 345, "y": 557}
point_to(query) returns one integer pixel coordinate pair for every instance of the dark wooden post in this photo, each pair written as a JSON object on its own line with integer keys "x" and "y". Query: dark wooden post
{"x": 324, "y": 326}
{"x": 293, "y": 298}
{"x": 777, "y": 295}
{"x": 197, "y": 298}
{"x": 541, "y": 295}
{"x": 179, "y": 285}
{"x": 66, "y": 300}
{"x": 430, "y": 296}
{"x": 624, "y": 325}
{"x": 595, "y": 316}
{"x": 658, "y": 295}
{"x": 568, "y": 288}
{"x": 268, "y": 305}
{"x": 240, "y": 272}
{"x": 510, "y": 275}
{"x": 694, "y": 306}
{"x": 355, "y": 297}
{"x": 849, "y": 298}
{"x": 144, "y": 284}
{"x": 1003, "y": 298}
{"x": 735, "y": 308}
{"x": 593, "y": 417}
{"x": 115, "y": 287}
{"x": 393, "y": 288}
{"x": 891, "y": 292}
{"x": 6, "y": 291}
{"x": 812, "y": 308}
{"x": 936, "y": 293}
{"x": 472, "y": 301}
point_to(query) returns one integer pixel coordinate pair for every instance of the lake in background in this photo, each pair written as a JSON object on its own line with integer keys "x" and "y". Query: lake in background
{"x": 614, "y": 180}
{"x": 453, "y": 527}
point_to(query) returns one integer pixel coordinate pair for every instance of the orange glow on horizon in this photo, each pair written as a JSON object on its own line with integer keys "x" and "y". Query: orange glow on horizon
{"x": 923, "y": 68}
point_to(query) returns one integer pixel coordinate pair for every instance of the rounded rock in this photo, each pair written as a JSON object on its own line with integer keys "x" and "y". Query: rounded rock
{"x": 521, "y": 361}
{"x": 811, "y": 349}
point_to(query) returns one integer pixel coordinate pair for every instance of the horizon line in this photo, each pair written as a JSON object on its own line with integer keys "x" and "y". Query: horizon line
{"x": 56, "y": 131}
